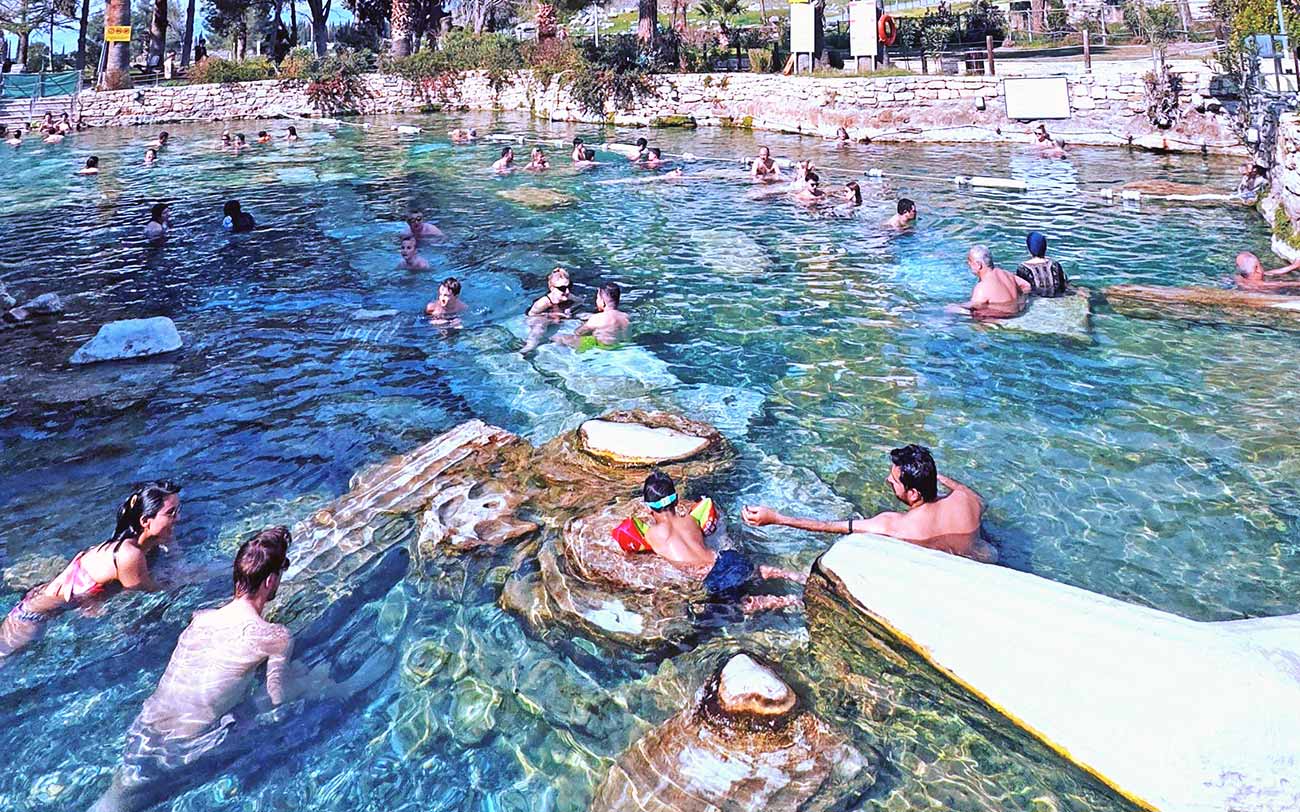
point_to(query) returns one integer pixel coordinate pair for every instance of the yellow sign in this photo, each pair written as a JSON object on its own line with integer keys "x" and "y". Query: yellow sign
{"x": 117, "y": 33}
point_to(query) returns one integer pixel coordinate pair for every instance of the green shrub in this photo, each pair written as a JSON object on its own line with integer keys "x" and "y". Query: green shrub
{"x": 334, "y": 82}
{"x": 551, "y": 58}
{"x": 760, "y": 60}
{"x": 215, "y": 70}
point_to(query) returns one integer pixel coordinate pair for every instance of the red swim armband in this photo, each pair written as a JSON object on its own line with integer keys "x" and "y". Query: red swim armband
{"x": 630, "y": 535}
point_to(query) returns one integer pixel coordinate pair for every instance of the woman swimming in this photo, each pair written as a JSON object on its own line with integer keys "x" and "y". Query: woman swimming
{"x": 144, "y": 522}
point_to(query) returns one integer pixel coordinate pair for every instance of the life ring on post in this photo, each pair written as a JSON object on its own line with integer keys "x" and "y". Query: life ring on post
{"x": 887, "y": 30}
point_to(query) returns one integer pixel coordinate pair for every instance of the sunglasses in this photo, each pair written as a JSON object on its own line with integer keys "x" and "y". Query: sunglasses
{"x": 562, "y": 288}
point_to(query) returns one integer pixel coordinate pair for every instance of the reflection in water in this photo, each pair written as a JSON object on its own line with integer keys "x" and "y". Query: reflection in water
{"x": 1151, "y": 462}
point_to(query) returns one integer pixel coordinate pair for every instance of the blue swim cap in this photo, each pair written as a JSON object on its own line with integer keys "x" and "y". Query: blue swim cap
{"x": 1037, "y": 244}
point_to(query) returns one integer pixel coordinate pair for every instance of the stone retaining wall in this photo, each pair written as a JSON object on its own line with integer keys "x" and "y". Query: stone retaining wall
{"x": 1282, "y": 207}
{"x": 1108, "y": 107}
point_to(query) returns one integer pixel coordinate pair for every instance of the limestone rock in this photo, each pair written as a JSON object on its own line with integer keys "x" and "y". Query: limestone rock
{"x": 638, "y": 445}
{"x": 745, "y": 744}
{"x": 47, "y": 304}
{"x": 1065, "y": 316}
{"x": 129, "y": 338}
{"x": 365, "y": 314}
{"x": 6, "y": 301}
{"x": 538, "y": 199}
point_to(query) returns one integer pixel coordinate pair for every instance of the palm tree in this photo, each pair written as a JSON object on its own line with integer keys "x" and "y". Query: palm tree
{"x": 647, "y": 21}
{"x": 158, "y": 34}
{"x": 188, "y": 43}
{"x": 723, "y": 12}
{"x": 118, "y": 72}
{"x": 399, "y": 25}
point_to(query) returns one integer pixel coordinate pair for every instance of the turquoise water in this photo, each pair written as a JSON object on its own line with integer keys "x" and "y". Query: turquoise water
{"x": 1155, "y": 462}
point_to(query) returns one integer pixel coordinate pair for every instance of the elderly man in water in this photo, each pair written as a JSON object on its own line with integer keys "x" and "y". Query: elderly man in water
{"x": 997, "y": 294}
{"x": 1252, "y": 276}
{"x": 948, "y": 523}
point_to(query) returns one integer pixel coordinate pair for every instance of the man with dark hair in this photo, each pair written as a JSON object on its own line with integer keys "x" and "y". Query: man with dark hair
{"x": 579, "y": 151}
{"x": 608, "y": 324}
{"x": 950, "y": 523}
{"x": 906, "y": 214}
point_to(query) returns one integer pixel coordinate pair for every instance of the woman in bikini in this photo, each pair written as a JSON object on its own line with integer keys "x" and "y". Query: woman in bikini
{"x": 144, "y": 522}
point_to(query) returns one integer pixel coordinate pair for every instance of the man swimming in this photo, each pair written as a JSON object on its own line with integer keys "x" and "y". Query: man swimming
{"x": 263, "y": 137}
{"x": 409, "y": 249}
{"x": 653, "y": 159}
{"x": 15, "y": 139}
{"x": 810, "y": 193}
{"x": 1252, "y": 276}
{"x": 764, "y": 167}
{"x": 91, "y": 167}
{"x": 537, "y": 161}
{"x": 506, "y": 162}
{"x": 584, "y": 157}
{"x": 675, "y": 535}
{"x": 236, "y": 219}
{"x": 905, "y": 217}
{"x": 997, "y": 294}
{"x": 448, "y": 303}
{"x": 608, "y": 324}
{"x": 417, "y": 228}
{"x": 161, "y": 140}
{"x": 950, "y": 523}
{"x": 1044, "y": 274}
{"x": 158, "y": 223}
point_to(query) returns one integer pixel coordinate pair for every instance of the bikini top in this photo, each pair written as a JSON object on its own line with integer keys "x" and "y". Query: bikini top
{"x": 79, "y": 583}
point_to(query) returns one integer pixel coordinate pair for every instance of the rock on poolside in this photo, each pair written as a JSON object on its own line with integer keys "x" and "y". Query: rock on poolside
{"x": 365, "y": 314}
{"x": 635, "y": 444}
{"x": 129, "y": 338}
{"x": 47, "y": 304}
{"x": 539, "y": 199}
{"x": 745, "y": 744}
{"x": 1065, "y": 316}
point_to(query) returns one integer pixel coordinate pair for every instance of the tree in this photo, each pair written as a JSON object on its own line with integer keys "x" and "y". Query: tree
{"x": 158, "y": 34}
{"x": 188, "y": 41}
{"x": 117, "y": 73}
{"x": 647, "y": 24}
{"x": 399, "y": 26}
{"x": 21, "y": 18}
{"x": 82, "y": 25}
{"x": 320, "y": 14}
{"x": 231, "y": 18}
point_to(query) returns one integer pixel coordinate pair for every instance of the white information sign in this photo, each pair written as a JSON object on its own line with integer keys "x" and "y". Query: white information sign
{"x": 803, "y": 37}
{"x": 862, "y": 28}
{"x": 1046, "y": 97}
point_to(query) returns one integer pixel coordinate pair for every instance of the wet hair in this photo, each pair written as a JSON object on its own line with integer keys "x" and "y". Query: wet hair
{"x": 905, "y": 205}
{"x": 261, "y": 133}
{"x": 261, "y": 556}
{"x": 151, "y": 151}
{"x": 642, "y": 143}
{"x": 1037, "y": 244}
{"x": 982, "y": 255}
{"x": 916, "y": 470}
{"x": 408, "y": 238}
{"x": 156, "y": 212}
{"x": 856, "y": 189}
{"x": 588, "y": 154}
{"x": 612, "y": 293}
{"x": 658, "y": 486}
{"x": 231, "y": 209}
{"x": 240, "y": 138}
{"x": 506, "y": 151}
{"x": 293, "y": 130}
{"x": 18, "y": 133}
{"x": 162, "y": 136}
{"x": 144, "y": 503}
{"x": 812, "y": 177}
{"x": 92, "y": 161}
{"x": 452, "y": 284}
{"x": 654, "y": 151}
{"x": 577, "y": 140}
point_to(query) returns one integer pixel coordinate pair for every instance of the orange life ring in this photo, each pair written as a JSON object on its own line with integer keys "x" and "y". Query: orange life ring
{"x": 887, "y": 29}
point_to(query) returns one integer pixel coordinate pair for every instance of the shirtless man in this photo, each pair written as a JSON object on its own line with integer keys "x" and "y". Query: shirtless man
{"x": 675, "y": 535}
{"x": 409, "y": 248}
{"x": 584, "y": 157}
{"x": 609, "y": 324}
{"x": 810, "y": 194}
{"x": 653, "y": 159}
{"x": 462, "y": 136}
{"x": 161, "y": 141}
{"x": 1252, "y": 276}
{"x": 15, "y": 139}
{"x": 448, "y": 304}
{"x": 905, "y": 217}
{"x": 417, "y": 228}
{"x": 950, "y": 523}
{"x": 263, "y": 137}
{"x": 537, "y": 161}
{"x": 91, "y": 167}
{"x": 764, "y": 167}
{"x": 506, "y": 163}
{"x": 998, "y": 293}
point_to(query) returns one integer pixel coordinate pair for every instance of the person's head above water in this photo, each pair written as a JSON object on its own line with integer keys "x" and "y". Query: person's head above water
{"x": 150, "y": 511}
{"x": 162, "y": 138}
{"x": 979, "y": 258}
{"x": 92, "y": 162}
{"x": 240, "y": 138}
{"x": 448, "y": 290}
{"x": 577, "y": 141}
{"x": 558, "y": 279}
{"x": 1249, "y": 266}
{"x": 608, "y": 295}
{"x": 151, "y": 154}
{"x": 765, "y": 153}
{"x": 293, "y": 131}
{"x": 641, "y": 143}
{"x": 659, "y": 491}
{"x": 853, "y": 192}
{"x": 507, "y": 152}
{"x": 906, "y": 207}
{"x": 408, "y": 248}
{"x": 1037, "y": 244}
{"x": 260, "y": 562}
{"x": 157, "y": 212}
{"x": 232, "y": 209}
{"x": 415, "y": 219}
{"x": 588, "y": 154}
{"x": 913, "y": 475}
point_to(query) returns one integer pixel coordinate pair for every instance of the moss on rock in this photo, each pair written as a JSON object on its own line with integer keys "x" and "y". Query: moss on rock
{"x": 674, "y": 121}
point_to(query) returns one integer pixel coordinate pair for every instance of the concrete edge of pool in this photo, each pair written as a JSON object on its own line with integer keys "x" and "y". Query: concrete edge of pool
{"x": 1169, "y": 713}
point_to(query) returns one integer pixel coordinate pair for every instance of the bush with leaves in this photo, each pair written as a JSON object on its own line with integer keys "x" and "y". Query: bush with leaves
{"x": 550, "y": 58}
{"x": 616, "y": 74}
{"x": 335, "y": 83}
{"x": 215, "y": 70}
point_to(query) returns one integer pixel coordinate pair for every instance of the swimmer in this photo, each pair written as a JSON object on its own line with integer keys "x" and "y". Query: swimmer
{"x": 462, "y": 136}
{"x": 997, "y": 294}
{"x": 537, "y": 161}
{"x": 240, "y": 142}
{"x": 417, "y": 228}
{"x": 1055, "y": 151}
{"x": 65, "y": 124}
{"x": 292, "y": 134}
{"x": 1252, "y": 276}
{"x": 158, "y": 223}
{"x": 190, "y": 721}
{"x": 263, "y": 137}
{"x": 1044, "y": 274}
{"x": 584, "y": 157}
{"x": 408, "y": 248}
{"x": 47, "y": 123}
{"x": 810, "y": 193}
{"x": 226, "y": 141}
{"x": 675, "y": 535}
{"x": 642, "y": 151}
{"x": 609, "y": 324}
{"x": 764, "y": 167}
{"x": 53, "y": 137}
{"x": 557, "y": 301}
{"x": 1254, "y": 178}
{"x": 91, "y": 167}
{"x": 950, "y": 523}
{"x": 161, "y": 141}
{"x": 653, "y": 159}
{"x": 236, "y": 219}
{"x": 15, "y": 139}
{"x": 579, "y": 150}
{"x": 150, "y": 156}
{"x": 1042, "y": 139}
{"x": 852, "y": 194}
{"x": 506, "y": 163}
{"x": 145, "y": 522}
{"x": 905, "y": 217}
{"x": 448, "y": 303}
{"x": 842, "y": 137}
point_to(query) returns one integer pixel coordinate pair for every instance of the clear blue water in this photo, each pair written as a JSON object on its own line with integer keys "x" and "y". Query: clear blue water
{"x": 1155, "y": 463}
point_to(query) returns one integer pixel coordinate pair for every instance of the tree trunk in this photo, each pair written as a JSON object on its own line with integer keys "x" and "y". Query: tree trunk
{"x": 1037, "y": 14}
{"x": 20, "y": 58}
{"x": 318, "y": 35}
{"x": 187, "y": 43}
{"x": 293, "y": 23}
{"x": 117, "y": 74}
{"x": 81, "y": 35}
{"x": 158, "y": 34}
{"x": 399, "y": 26}
{"x": 647, "y": 21}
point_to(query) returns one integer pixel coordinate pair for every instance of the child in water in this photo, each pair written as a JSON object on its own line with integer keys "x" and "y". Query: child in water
{"x": 448, "y": 304}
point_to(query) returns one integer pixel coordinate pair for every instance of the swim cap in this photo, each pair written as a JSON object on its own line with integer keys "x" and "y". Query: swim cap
{"x": 1037, "y": 244}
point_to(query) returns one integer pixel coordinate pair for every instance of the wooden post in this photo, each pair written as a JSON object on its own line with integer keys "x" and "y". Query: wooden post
{"x": 1087, "y": 51}
{"x": 988, "y": 56}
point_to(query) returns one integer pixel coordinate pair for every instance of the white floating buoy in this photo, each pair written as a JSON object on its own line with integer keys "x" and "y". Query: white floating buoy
{"x": 690, "y": 156}
{"x": 1130, "y": 194}
{"x": 407, "y": 129}
{"x": 991, "y": 183}
{"x": 874, "y": 173}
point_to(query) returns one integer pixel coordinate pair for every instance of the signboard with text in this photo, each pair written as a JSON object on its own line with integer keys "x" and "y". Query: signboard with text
{"x": 803, "y": 36}
{"x": 117, "y": 33}
{"x": 862, "y": 28}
